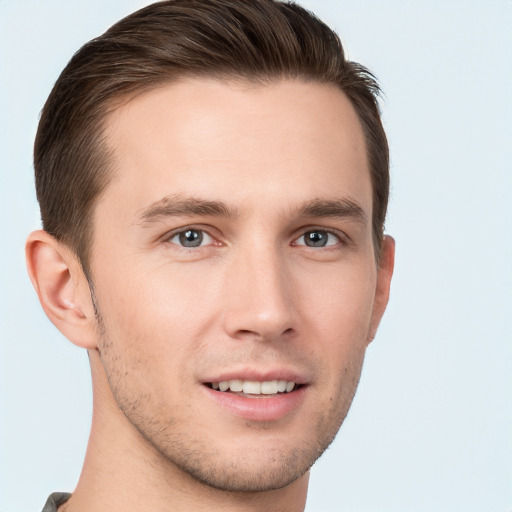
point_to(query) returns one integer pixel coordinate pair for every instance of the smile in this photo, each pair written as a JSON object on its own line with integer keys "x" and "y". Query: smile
{"x": 254, "y": 387}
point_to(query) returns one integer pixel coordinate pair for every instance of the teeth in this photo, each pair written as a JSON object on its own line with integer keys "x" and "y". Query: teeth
{"x": 253, "y": 387}
{"x": 269, "y": 388}
{"x": 236, "y": 385}
{"x": 281, "y": 386}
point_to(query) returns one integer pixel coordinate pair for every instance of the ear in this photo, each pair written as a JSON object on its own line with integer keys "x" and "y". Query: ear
{"x": 62, "y": 288}
{"x": 384, "y": 275}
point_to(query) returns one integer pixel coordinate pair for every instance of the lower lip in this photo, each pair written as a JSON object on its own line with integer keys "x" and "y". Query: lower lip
{"x": 271, "y": 408}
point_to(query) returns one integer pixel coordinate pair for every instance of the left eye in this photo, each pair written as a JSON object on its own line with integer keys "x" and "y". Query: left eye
{"x": 191, "y": 238}
{"x": 317, "y": 238}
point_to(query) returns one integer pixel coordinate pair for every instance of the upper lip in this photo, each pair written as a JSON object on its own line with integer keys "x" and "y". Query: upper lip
{"x": 257, "y": 374}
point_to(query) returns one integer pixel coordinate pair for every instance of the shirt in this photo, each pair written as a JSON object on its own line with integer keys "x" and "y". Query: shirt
{"x": 55, "y": 501}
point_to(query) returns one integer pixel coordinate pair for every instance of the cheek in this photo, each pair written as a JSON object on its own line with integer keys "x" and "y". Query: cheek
{"x": 339, "y": 315}
{"x": 149, "y": 331}
{"x": 340, "y": 303}
{"x": 156, "y": 323}
{"x": 154, "y": 303}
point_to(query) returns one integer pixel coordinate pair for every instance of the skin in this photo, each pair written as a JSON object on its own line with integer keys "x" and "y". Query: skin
{"x": 252, "y": 298}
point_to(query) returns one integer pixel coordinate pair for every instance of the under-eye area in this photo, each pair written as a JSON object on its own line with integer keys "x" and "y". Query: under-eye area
{"x": 253, "y": 387}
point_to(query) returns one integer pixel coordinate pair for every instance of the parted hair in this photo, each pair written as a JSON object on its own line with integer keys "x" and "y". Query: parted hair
{"x": 256, "y": 40}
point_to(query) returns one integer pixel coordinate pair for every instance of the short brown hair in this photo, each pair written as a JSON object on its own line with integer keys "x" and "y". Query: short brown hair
{"x": 256, "y": 40}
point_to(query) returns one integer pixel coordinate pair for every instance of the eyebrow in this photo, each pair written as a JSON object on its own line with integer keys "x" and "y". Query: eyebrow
{"x": 334, "y": 208}
{"x": 179, "y": 205}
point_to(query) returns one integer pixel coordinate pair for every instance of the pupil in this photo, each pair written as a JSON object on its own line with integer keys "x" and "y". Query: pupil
{"x": 316, "y": 239}
{"x": 191, "y": 238}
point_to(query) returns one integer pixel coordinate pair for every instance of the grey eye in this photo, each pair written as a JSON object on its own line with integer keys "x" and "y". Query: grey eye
{"x": 316, "y": 238}
{"x": 190, "y": 238}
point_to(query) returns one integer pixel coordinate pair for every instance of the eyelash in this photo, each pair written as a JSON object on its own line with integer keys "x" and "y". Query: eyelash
{"x": 340, "y": 238}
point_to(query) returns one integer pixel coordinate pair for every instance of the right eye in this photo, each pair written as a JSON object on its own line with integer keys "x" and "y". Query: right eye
{"x": 191, "y": 238}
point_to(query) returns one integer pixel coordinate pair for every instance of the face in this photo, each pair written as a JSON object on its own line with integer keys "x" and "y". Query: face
{"x": 234, "y": 274}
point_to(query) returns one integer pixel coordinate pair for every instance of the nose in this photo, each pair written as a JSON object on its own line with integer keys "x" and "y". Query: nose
{"x": 259, "y": 296}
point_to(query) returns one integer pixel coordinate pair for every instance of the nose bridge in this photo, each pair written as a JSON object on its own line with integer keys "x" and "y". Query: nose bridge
{"x": 258, "y": 292}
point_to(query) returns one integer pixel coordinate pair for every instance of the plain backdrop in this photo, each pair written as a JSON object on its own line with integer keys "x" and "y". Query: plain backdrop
{"x": 430, "y": 429}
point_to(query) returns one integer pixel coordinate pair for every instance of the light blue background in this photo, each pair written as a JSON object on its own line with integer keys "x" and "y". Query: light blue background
{"x": 431, "y": 426}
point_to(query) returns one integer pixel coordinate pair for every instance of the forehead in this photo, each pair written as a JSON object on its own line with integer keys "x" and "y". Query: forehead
{"x": 277, "y": 143}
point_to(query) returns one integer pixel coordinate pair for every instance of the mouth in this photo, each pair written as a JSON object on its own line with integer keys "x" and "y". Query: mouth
{"x": 254, "y": 388}
{"x": 258, "y": 395}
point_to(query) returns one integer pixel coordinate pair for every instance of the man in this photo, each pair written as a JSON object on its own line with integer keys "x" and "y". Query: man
{"x": 213, "y": 183}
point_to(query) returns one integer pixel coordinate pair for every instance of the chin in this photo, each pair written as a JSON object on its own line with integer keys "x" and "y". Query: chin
{"x": 269, "y": 463}
{"x": 239, "y": 475}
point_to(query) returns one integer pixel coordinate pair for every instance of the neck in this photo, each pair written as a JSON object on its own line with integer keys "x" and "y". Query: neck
{"x": 123, "y": 472}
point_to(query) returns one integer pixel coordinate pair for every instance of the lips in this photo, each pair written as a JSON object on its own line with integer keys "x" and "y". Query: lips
{"x": 257, "y": 396}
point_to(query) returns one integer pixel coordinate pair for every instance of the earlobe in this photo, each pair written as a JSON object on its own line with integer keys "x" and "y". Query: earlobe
{"x": 62, "y": 288}
{"x": 384, "y": 275}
